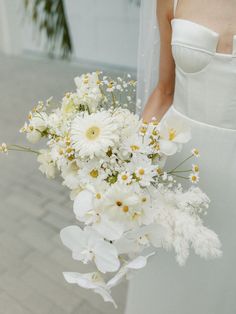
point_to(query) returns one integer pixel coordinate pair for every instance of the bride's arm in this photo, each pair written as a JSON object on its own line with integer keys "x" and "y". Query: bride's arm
{"x": 162, "y": 96}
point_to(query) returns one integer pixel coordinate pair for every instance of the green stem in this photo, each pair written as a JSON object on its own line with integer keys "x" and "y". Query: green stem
{"x": 181, "y": 177}
{"x": 179, "y": 171}
{"x": 185, "y": 160}
{"x": 113, "y": 99}
{"x": 22, "y": 149}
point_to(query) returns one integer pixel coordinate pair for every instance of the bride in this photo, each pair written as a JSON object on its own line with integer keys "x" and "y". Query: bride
{"x": 192, "y": 74}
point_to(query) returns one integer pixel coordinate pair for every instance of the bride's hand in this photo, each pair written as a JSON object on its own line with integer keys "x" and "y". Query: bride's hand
{"x": 158, "y": 104}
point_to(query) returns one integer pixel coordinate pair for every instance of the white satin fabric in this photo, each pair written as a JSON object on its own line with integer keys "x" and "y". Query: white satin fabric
{"x": 205, "y": 96}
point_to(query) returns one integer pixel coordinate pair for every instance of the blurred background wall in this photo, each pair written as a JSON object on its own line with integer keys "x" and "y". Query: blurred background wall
{"x": 102, "y": 31}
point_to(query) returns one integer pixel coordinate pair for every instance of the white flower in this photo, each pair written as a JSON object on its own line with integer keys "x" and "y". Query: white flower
{"x": 195, "y": 168}
{"x": 3, "y": 148}
{"x": 120, "y": 203}
{"x": 194, "y": 177}
{"x": 91, "y": 172}
{"x": 141, "y": 166}
{"x": 92, "y": 281}
{"x": 135, "y": 264}
{"x": 33, "y": 136}
{"x": 87, "y": 245}
{"x": 93, "y": 134}
{"x": 69, "y": 103}
{"x": 69, "y": 173}
{"x": 136, "y": 144}
{"x": 47, "y": 164}
{"x": 55, "y": 122}
{"x": 39, "y": 121}
{"x": 84, "y": 207}
{"x": 137, "y": 239}
{"x": 88, "y": 90}
{"x": 125, "y": 177}
{"x": 87, "y": 209}
{"x": 128, "y": 122}
{"x": 195, "y": 152}
{"x": 174, "y": 132}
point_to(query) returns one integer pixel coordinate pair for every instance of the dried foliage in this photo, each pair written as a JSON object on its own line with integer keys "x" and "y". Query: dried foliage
{"x": 50, "y": 18}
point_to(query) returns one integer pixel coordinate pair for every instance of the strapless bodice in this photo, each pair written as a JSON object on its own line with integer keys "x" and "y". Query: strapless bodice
{"x": 205, "y": 86}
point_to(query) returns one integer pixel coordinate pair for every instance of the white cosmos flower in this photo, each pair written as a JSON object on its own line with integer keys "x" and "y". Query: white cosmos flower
{"x": 136, "y": 144}
{"x": 174, "y": 132}
{"x": 87, "y": 245}
{"x": 91, "y": 172}
{"x": 92, "y": 281}
{"x": 93, "y": 134}
{"x": 125, "y": 177}
{"x": 143, "y": 169}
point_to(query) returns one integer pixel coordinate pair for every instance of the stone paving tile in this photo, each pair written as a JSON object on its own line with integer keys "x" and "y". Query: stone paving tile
{"x": 14, "y": 244}
{"x": 86, "y": 308}
{"x": 14, "y": 287}
{"x": 50, "y": 289}
{"x": 9, "y": 305}
{"x": 55, "y": 220}
{"x": 36, "y": 241}
{"x": 39, "y": 304}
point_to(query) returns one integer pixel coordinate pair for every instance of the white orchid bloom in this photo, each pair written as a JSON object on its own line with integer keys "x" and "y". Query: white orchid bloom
{"x": 109, "y": 229}
{"x": 120, "y": 204}
{"x": 136, "y": 240}
{"x": 85, "y": 211}
{"x": 92, "y": 281}
{"x": 174, "y": 132}
{"x": 87, "y": 245}
{"x": 83, "y": 206}
{"x": 135, "y": 264}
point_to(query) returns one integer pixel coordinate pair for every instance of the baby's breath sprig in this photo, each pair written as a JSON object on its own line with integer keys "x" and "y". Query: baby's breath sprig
{"x": 4, "y": 148}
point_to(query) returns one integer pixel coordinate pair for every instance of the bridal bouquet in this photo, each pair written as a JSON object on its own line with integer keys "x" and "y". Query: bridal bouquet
{"x": 125, "y": 200}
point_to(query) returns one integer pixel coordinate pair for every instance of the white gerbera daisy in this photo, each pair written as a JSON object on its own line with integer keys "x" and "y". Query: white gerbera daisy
{"x": 93, "y": 134}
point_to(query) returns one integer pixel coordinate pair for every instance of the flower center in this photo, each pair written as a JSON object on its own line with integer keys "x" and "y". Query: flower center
{"x": 141, "y": 172}
{"x": 94, "y": 173}
{"x": 194, "y": 178}
{"x": 119, "y": 203}
{"x": 93, "y": 133}
{"x": 134, "y": 147}
{"x": 124, "y": 177}
{"x": 125, "y": 209}
{"x": 98, "y": 196}
{"x": 172, "y": 134}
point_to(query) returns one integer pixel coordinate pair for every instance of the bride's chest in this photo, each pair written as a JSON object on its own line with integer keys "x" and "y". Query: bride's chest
{"x": 194, "y": 46}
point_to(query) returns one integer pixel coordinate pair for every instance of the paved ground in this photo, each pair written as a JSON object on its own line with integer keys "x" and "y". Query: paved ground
{"x": 33, "y": 209}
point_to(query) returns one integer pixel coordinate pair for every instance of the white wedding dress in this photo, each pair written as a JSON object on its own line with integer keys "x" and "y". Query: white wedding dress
{"x": 205, "y": 96}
